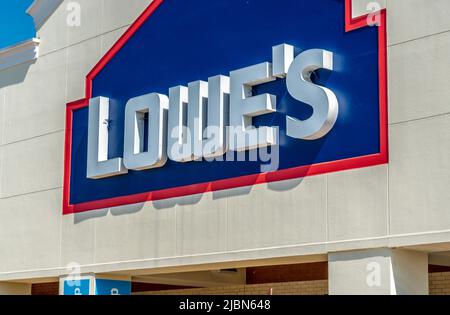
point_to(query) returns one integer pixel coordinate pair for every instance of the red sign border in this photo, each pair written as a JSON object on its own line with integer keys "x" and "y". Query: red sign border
{"x": 296, "y": 172}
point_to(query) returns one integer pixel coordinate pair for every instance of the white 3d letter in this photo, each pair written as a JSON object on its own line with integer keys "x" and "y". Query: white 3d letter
{"x": 179, "y": 144}
{"x": 244, "y": 106}
{"x": 208, "y": 116}
{"x": 218, "y": 116}
{"x": 283, "y": 55}
{"x": 322, "y": 100}
{"x": 156, "y": 106}
{"x": 98, "y": 164}
{"x": 197, "y": 111}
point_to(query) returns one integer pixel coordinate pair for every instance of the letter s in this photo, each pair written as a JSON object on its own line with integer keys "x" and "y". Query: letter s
{"x": 323, "y": 101}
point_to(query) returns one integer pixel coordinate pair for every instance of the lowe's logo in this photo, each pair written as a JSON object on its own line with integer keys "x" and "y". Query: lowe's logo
{"x": 201, "y": 115}
{"x": 285, "y": 90}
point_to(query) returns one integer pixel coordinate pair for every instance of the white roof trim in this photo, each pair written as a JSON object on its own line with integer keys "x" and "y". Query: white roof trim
{"x": 20, "y": 53}
{"x": 41, "y": 10}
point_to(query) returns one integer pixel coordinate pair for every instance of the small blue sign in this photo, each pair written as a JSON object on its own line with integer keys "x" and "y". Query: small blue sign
{"x": 76, "y": 287}
{"x": 112, "y": 287}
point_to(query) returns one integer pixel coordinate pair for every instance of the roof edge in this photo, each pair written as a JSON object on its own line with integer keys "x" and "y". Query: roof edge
{"x": 22, "y": 52}
{"x": 41, "y": 10}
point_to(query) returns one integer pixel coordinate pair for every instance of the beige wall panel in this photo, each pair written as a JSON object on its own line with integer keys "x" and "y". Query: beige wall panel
{"x": 81, "y": 58}
{"x": 33, "y": 165}
{"x": 109, "y": 39}
{"x": 2, "y": 114}
{"x": 134, "y": 232}
{"x": 419, "y": 176}
{"x": 54, "y": 33}
{"x": 77, "y": 239}
{"x": 418, "y": 78}
{"x": 90, "y": 21}
{"x": 412, "y": 19}
{"x": 36, "y": 106}
{"x": 284, "y": 213}
{"x": 358, "y": 204}
{"x": 119, "y": 13}
{"x": 201, "y": 223}
{"x": 30, "y": 231}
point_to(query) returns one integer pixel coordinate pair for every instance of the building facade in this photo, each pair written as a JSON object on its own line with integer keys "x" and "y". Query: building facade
{"x": 378, "y": 227}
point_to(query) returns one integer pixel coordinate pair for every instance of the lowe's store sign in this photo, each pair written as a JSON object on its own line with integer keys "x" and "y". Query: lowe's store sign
{"x": 207, "y": 95}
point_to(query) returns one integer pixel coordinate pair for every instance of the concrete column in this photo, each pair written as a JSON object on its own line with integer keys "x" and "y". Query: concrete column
{"x": 95, "y": 284}
{"x": 9, "y": 288}
{"x": 380, "y": 271}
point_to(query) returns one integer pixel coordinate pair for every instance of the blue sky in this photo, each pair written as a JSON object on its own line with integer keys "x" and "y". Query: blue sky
{"x": 15, "y": 24}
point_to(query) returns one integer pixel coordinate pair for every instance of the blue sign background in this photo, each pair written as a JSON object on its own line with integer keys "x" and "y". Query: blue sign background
{"x": 105, "y": 287}
{"x": 185, "y": 41}
{"x": 82, "y": 287}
